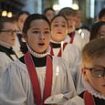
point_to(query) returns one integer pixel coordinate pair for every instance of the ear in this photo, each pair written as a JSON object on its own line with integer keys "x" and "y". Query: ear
{"x": 84, "y": 73}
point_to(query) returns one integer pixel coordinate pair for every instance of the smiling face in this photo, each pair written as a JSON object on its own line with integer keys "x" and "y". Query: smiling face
{"x": 38, "y": 35}
{"x": 59, "y": 28}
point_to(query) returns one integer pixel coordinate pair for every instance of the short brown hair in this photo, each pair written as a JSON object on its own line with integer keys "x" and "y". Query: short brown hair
{"x": 94, "y": 49}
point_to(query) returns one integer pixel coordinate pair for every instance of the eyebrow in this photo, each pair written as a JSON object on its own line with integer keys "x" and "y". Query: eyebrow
{"x": 61, "y": 22}
{"x": 39, "y": 28}
{"x": 99, "y": 66}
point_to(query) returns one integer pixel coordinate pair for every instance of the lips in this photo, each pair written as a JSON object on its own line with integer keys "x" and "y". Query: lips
{"x": 103, "y": 85}
{"x": 41, "y": 44}
{"x": 59, "y": 32}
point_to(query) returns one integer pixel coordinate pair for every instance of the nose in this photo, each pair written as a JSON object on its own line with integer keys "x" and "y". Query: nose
{"x": 42, "y": 36}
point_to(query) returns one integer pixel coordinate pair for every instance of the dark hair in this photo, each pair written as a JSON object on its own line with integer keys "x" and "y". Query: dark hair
{"x": 95, "y": 29}
{"x": 32, "y": 17}
{"x": 101, "y": 13}
{"x": 47, "y": 9}
{"x": 22, "y": 13}
{"x": 6, "y": 19}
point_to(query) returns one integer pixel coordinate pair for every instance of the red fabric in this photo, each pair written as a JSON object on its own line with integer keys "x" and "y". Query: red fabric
{"x": 34, "y": 79}
{"x": 60, "y": 52}
{"x": 71, "y": 35}
{"x": 88, "y": 98}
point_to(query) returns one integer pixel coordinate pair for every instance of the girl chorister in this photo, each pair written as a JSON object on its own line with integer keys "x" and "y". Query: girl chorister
{"x": 69, "y": 52}
{"x": 36, "y": 78}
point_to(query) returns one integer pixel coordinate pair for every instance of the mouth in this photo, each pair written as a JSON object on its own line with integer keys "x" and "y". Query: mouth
{"x": 103, "y": 85}
{"x": 41, "y": 44}
{"x": 13, "y": 39}
{"x": 59, "y": 32}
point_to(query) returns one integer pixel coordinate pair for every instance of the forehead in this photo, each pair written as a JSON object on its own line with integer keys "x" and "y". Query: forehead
{"x": 59, "y": 19}
{"x": 102, "y": 27}
{"x": 9, "y": 25}
{"x": 39, "y": 23}
{"x": 49, "y": 11}
{"x": 96, "y": 61}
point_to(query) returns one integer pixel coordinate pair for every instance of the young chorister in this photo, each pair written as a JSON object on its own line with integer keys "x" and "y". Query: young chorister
{"x": 37, "y": 78}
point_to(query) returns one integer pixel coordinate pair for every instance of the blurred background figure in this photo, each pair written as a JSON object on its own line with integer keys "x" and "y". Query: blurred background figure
{"x": 68, "y": 13}
{"x": 97, "y": 30}
{"x": 49, "y": 13}
{"x": 8, "y": 31}
{"x": 21, "y": 17}
{"x": 76, "y": 35}
{"x": 101, "y": 15}
{"x": 20, "y": 42}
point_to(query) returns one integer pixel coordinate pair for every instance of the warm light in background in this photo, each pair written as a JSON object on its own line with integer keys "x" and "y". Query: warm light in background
{"x": 75, "y": 6}
{"x": 56, "y": 7}
{"x": 68, "y": 3}
{"x": 65, "y": 3}
{"x": 4, "y": 13}
{"x": 9, "y": 14}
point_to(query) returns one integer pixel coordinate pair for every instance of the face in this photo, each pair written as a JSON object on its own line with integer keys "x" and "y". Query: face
{"x": 8, "y": 33}
{"x": 78, "y": 17}
{"x": 59, "y": 29}
{"x": 21, "y": 20}
{"x": 96, "y": 75}
{"x": 101, "y": 32}
{"x": 71, "y": 22}
{"x": 50, "y": 14}
{"x": 38, "y": 35}
{"x": 103, "y": 18}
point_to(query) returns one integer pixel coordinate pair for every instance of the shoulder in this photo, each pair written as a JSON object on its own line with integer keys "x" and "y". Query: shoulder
{"x": 72, "y": 49}
{"x": 4, "y": 60}
{"x": 3, "y": 55}
{"x": 17, "y": 68}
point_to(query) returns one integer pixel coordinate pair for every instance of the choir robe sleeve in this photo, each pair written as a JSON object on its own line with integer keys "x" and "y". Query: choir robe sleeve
{"x": 15, "y": 85}
{"x": 4, "y": 61}
{"x": 72, "y": 57}
{"x": 75, "y": 101}
{"x": 63, "y": 87}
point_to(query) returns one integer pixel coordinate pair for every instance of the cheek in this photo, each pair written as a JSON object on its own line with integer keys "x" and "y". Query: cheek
{"x": 91, "y": 80}
{"x": 86, "y": 75}
{"x": 31, "y": 40}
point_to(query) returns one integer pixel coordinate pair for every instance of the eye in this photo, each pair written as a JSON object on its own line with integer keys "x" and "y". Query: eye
{"x": 55, "y": 25}
{"x": 98, "y": 72}
{"x": 36, "y": 32}
{"x": 63, "y": 25}
{"x": 46, "y": 32}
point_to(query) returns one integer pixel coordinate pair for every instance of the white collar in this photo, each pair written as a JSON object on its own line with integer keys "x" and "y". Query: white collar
{"x": 89, "y": 88}
{"x": 5, "y": 44}
{"x": 37, "y": 54}
{"x": 55, "y": 42}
